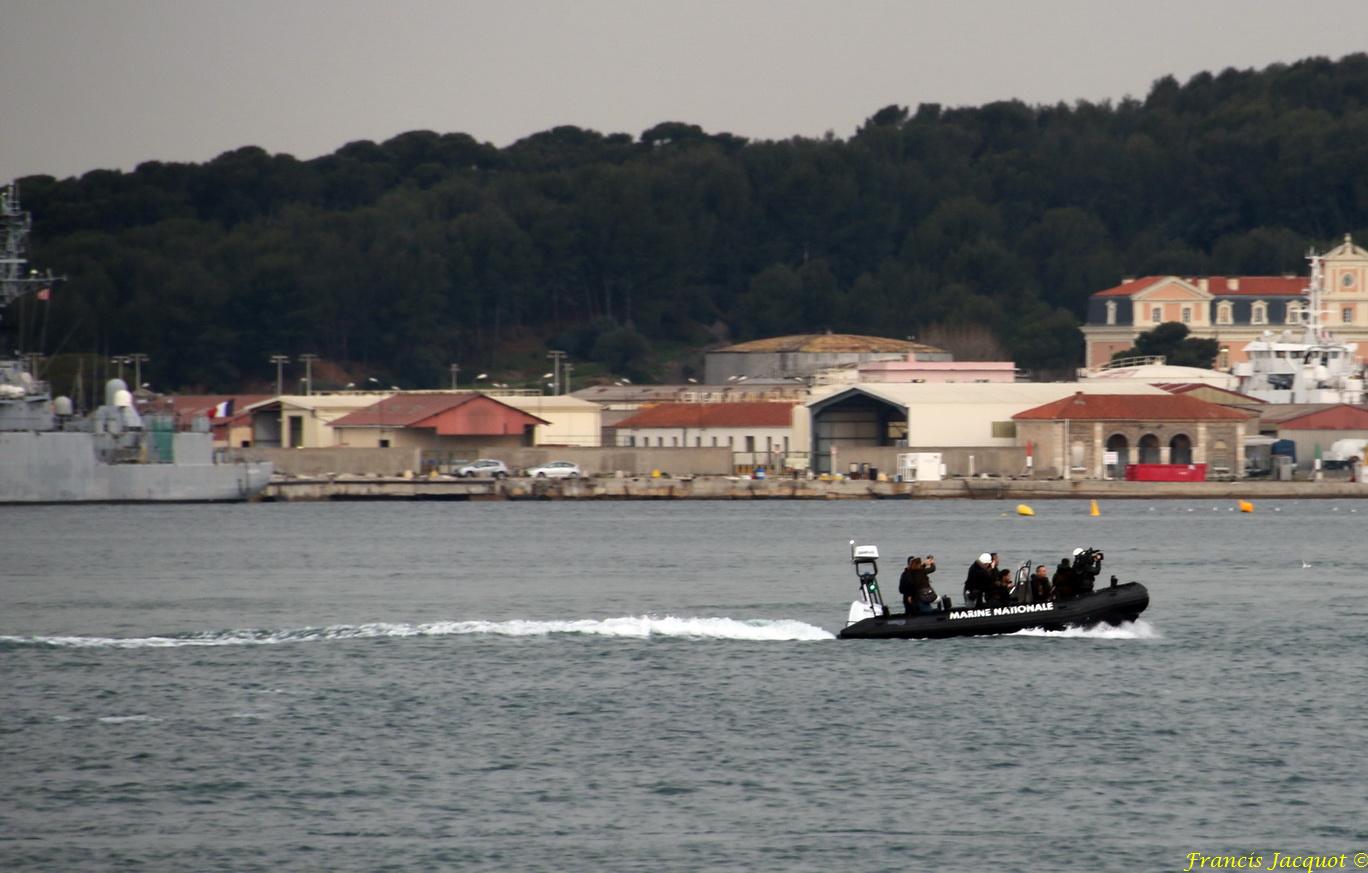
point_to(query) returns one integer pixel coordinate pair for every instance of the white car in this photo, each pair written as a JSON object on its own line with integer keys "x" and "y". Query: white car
{"x": 556, "y": 470}
{"x": 484, "y": 467}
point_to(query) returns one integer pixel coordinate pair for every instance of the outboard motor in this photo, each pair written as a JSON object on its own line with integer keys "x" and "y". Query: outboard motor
{"x": 870, "y": 604}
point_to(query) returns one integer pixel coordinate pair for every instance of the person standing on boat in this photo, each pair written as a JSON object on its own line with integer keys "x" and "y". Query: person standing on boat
{"x": 979, "y": 581}
{"x": 915, "y": 585}
{"x": 1065, "y": 582}
{"x": 1040, "y": 585}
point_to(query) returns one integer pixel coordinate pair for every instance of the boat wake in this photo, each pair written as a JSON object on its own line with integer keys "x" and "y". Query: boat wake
{"x": 633, "y": 627}
{"x": 1131, "y": 630}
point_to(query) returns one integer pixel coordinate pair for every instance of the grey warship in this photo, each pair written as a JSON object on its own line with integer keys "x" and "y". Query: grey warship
{"x": 50, "y": 455}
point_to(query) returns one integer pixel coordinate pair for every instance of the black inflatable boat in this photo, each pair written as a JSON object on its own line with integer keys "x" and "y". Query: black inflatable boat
{"x": 871, "y": 619}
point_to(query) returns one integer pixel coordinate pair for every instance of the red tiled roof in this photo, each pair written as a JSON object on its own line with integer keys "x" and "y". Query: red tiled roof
{"x": 408, "y": 410}
{"x": 711, "y": 415}
{"x": 1131, "y": 407}
{"x": 1129, "y": 287}
{"x": 1257, "y": 286}
{"x": 1219, "y": 286}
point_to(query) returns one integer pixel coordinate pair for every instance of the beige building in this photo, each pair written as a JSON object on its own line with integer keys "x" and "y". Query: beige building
{"x": 929, "y": 417}
{"x": 570, "y": 420}
{"x": 303, "y": 421}
{"x": 1234, "y": 310}
{"x": 1096, "y": 436}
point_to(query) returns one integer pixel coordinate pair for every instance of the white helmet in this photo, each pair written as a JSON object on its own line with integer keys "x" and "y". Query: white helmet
{"x": 985, "y": 558}
{"x": 1077, "y": 552}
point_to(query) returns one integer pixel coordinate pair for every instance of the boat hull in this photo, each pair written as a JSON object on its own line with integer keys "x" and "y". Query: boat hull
{"x": 62, "y": 467}
{"x": 1112, "y": 605}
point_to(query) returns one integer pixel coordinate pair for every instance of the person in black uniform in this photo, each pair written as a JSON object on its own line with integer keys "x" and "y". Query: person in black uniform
{"x": 1065, "y": 583}
{"x": 1041, "y": 590}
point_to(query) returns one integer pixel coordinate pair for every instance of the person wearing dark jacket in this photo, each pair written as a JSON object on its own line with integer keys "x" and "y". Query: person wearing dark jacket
{"x": 980, "y": 581}
{"x": 1065, "y": 582}
{"x": 1040, "y": 585}
{"x": 915, "y": 585}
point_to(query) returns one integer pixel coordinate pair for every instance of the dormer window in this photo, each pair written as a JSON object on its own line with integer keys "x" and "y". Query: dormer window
{"x": 1294, "y": 314}
{"x": 1225, "y": 312}
{"x": 1258, "y": 313}
{"x": 1111, "y": 312}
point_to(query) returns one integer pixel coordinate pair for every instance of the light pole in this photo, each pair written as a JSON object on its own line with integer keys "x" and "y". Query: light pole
{"x": 308, "y": 360}
{"x": 455, "y": 371}
{"x": 569, "y": 368}
{"x": 136, "y": 359}
{"x": 556, "y": 356}
{"x": 120, "y": 360}
{"x": 280, "y": 361}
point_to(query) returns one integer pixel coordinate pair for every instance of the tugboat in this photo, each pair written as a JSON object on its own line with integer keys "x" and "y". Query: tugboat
{"x": 870, "y": 619}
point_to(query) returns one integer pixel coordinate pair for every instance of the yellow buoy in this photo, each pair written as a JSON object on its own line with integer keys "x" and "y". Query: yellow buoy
{"x": 1246, "y": 506}
{"x": 1093, "y": 510}
{"x": 1023, "y": 509}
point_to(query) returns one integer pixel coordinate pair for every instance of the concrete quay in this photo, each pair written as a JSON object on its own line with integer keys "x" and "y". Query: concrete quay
{"x": 728, "y": 488}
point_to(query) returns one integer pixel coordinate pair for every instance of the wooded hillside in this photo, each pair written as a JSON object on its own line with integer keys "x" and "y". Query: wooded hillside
{"x": 402, "y": 257}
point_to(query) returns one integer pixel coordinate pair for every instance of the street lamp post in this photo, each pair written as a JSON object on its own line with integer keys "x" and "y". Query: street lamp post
{"x": 120, "y": 360}
{"x": 308, "y": 360}
{"x": 280, "y": 361}
{"x": 455, "y": 371}
{"x": 136, "y": 359}
{"x": 556, "y": 356}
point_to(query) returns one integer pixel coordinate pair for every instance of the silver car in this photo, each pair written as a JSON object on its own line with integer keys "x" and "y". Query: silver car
{"x": 556, "y": 470}
{"x": 484, "y": 467}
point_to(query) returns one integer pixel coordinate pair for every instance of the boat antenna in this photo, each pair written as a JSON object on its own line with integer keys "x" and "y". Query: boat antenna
{"x": 15, "y": 225}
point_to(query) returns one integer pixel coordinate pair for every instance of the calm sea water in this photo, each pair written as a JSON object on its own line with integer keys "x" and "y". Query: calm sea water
{"x": 655, "y": 686}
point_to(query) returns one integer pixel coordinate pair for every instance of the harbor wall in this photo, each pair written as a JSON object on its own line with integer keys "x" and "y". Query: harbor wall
{"x": 344, "y": 461}
{"x": 735, "y": 488}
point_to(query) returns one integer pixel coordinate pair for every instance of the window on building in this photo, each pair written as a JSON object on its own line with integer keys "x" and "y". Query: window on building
{"x": 1157, "y": 314}
{"x": 786, "y": 439}
{"x": 1225, "y": 313}
{"x": 674, "y": 442}
{"x": 1258, "y": 313}
{"x": 660, "y": 442}
{"x": 714, "y": 442}
{"x": 698, "y": 441}
{"x": 1111, "y": 312}
{"x": 750, "y": 444}
{"x": 1293, "y": 314}
{"x": 1347, "y": 315}
{"x": 631, "y": 442}
{"x": 1004, "y": 430}
{"x": 296, "y": 431}
{"x": 384, "y": 444}
{"x": 1187, "y": 315}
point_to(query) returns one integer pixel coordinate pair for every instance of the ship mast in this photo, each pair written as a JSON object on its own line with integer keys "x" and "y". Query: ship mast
{"x": 1313, "y": 298}
{"x": 15, "y": 282}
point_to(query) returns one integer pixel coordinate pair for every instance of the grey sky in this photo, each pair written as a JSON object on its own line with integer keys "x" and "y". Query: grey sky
{"x": 100, "y": 83}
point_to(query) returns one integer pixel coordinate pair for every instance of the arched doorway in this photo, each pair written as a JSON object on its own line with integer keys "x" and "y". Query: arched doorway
{"x": 1149, "y": 449}
{"x": 1118, "y": 443}
{"x": 1180, "y": 449}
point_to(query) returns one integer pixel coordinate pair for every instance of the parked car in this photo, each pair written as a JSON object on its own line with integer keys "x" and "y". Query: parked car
{"x": 556, "y": 470}
{"x": 484, "y": 467}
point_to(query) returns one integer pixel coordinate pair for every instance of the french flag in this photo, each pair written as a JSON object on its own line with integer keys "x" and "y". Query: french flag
{"x": 222, "y": 410}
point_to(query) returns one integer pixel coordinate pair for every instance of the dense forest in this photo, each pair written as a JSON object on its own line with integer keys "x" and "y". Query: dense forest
{"x": 394, "y": 260}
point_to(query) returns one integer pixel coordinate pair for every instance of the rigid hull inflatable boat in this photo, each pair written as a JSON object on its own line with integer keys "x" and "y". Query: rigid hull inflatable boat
{"x": 870, "y": 619}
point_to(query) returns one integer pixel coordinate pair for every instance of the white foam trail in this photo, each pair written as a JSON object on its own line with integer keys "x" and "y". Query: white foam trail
{"x": 1137, "y": 630}
{"x": 636, "y": 627}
